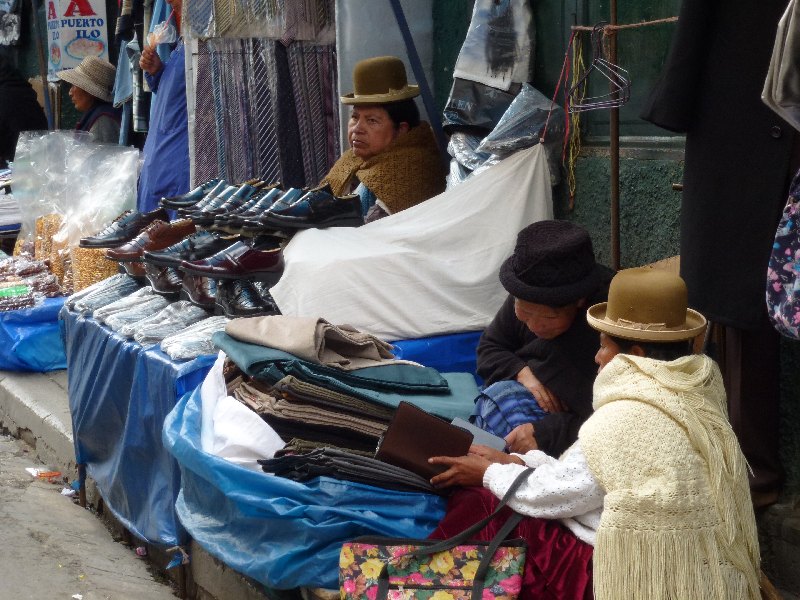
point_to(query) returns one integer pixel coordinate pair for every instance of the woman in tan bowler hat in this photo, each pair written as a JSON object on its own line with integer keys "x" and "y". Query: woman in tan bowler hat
{"x": 91, "y": 93}
{"x": 652, "y": 501}
{"x": 393, "y": 161}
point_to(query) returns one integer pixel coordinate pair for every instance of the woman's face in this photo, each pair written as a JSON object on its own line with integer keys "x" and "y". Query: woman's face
{"x": 608, "y": 350}
{"x": 370, "y": 131}
{"x": 546, "y": 322}
{"x": 82, "y": 99}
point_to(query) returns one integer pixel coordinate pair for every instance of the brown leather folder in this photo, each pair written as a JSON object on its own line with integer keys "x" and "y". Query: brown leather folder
{"x": 413, "y": 436}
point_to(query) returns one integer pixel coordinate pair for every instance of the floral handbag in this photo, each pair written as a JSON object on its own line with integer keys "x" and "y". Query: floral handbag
{"x": 783, "y": 270}
{"x": 379, "y": 568}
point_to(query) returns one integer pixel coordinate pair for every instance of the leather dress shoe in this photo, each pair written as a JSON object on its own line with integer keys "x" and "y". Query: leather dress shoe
{"x": 256, "y": 225}
{"x": 263, "y": 290}
{"x": 317, "y": 210}
{"x": 123, "y": 229}
{"x": 194, "y": 247}
{"x": 209, "y": 199}
{"x": 135, "y": 270}
{"x": 236, "y": 202}
{"x": 164, "y": 280}
{"x": 240, "y": 298}
{"x": 232, "y": 221}
{"x": 200, "y": 291}
{"x": 192, "y": 197}
{"x": 215, "y": 191}
{"x": 157, "y": 236}
{"x": 239, "y": 261}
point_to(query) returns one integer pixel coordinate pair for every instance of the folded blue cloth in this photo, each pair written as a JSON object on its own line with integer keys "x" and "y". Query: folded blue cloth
{"x": 503, "y": 406}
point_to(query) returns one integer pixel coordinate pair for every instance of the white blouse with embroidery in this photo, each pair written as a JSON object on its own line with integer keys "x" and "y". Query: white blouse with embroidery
{"x": 562, "y": 489}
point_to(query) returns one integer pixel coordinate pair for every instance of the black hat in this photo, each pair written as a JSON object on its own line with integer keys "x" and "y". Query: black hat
{"x": 553, "y": 264}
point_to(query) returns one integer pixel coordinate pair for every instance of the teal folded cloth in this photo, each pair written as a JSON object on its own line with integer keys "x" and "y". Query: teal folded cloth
{"x": 448, "y": 395}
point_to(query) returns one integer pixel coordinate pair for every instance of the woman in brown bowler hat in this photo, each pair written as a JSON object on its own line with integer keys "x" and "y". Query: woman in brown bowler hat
{"x": 393, "y": 161}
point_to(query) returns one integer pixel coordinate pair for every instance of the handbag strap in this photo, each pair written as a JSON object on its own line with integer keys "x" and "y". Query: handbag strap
{"x": 483, "y": 567}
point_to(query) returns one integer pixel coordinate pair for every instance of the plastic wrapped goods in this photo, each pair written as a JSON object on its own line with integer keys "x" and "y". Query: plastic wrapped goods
{"x": 125, "y": 322}
{"x": 122, "y": 304}
{"x": 194, "y": 340}
{"x": 178, "y": 315}
{"x": 107, "y": 291}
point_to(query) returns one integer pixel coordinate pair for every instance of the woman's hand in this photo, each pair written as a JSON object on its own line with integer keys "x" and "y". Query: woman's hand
{"x": 463, "y": 470}
{"x": 522, "y": 439}
{"x": 547, "y": 400}
{"x": 149, "y": 61}
{"x": 494, "y": 456}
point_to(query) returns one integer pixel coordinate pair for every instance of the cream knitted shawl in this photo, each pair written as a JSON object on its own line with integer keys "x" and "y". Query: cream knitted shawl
{"x": 677, "y": 521}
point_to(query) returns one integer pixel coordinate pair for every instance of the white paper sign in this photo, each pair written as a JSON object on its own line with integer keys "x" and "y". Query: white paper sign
{"x": 75, "y": 29}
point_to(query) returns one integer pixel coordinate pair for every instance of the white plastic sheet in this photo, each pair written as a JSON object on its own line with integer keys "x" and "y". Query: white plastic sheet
{"x": 428, "y": 270}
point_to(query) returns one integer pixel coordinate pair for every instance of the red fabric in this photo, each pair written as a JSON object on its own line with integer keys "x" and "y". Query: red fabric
{"x": 558, "y": 566}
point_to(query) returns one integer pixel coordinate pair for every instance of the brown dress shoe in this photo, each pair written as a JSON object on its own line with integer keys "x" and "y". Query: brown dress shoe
{"x": 200, "y": 291}
{"x": 156, "y": 236}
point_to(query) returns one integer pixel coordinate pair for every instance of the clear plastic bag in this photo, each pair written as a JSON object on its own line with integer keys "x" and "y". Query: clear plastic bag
{"x": 115, "y": 288}
{"x": 126, "y": 321}
{"x": 122, "y": 304}
{"x": 178, "y": 315}
{"x": 111, "y": 282}
{"x": 194, "y": 340}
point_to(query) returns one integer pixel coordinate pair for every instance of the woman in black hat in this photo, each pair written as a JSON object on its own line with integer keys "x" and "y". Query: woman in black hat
{"x": 19, "y": 110}
{"x": 537, "y": 355}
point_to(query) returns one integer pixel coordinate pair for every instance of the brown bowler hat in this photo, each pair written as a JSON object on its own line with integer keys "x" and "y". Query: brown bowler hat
{"x": 647, "y": 305}
{"x": 380, "y": 80}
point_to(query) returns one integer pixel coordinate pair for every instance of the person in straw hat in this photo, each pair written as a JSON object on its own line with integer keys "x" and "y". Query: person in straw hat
{"x": 652, "y": 501}
{"x": 393, "y": 161}
{"x": 91, "y": 93}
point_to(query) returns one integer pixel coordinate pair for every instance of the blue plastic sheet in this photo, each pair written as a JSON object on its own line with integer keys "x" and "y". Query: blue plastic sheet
{"x": 282, "y": 533}
{"x": 445, "y": 353}
{"x": 119, "y": 395}
{"x": 30, "y": 338}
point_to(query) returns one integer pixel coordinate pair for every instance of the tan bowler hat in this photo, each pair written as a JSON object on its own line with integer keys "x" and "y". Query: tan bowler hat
{"x": 380, "y": 80}
{"x": 93, "y": 75}
{"x": 647, "y": 305}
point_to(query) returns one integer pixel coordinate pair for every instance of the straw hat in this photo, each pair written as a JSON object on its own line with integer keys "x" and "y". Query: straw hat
{"x": 93, "y": 75}
{"x": 380, "y": 80}
{"x": 647, "y": 305}
{"x": 553, "y": 264}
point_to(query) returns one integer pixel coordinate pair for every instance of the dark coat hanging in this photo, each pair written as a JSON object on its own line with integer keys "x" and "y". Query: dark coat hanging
{"x": 737, "y": 152}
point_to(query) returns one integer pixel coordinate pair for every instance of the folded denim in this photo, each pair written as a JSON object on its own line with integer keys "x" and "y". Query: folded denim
{"x": 102, "y": 294}
{"x": 120, "y": 321}
{"x": 125, "y": 303}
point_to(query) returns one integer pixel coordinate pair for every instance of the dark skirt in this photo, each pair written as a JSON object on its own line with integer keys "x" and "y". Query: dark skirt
{"x": 558, "y": 566}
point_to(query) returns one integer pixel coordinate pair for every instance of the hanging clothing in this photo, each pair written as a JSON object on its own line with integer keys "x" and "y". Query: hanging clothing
{"x": 165, "y": 170}
{"x": 102, "y": 121}
{"x": 408, "y": 172}
{"x": 19, "y": 110}
{"x": 736, "y": 176}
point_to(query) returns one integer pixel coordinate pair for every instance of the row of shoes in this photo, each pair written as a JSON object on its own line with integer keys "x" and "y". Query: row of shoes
{"x": 226, "y": 274}
{"x": 257, "y": 207}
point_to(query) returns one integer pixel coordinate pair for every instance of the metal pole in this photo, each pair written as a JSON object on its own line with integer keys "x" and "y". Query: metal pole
{"x": 613, "y": 127}
{"x": 40, "y": 50}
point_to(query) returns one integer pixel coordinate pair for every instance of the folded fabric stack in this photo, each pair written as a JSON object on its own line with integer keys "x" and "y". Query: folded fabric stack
{"x": 347, "y": 466}
{"x": 330, "y": 393}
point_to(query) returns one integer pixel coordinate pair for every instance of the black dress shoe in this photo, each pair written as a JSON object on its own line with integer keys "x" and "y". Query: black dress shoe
{"x": 242, "y": 199}
{"x": 123, "y": 229}
{"x": 195, "y": 247}
{"x": 262, "y": 288}
{"x": 240, "y": 298}
{"x": 261, "y": 202}
{"x": 208, "y": 200}
{"x": 192, "y": 197}
{"x": 166, "y": 281}
{"x": 318, "y": 210}
{"x": 255, "y": 225}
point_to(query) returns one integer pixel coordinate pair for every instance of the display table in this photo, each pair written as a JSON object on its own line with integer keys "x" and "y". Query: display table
{"x": 119, "y": 395}
{"x": 30, "y": 338}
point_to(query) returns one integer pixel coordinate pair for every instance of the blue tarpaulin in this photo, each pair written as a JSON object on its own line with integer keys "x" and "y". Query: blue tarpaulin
{"x": 282, "y": 533}
{"x": 119, "y": 395}
{"x": 454, "y": 352}
{"x": 30, "y": 338}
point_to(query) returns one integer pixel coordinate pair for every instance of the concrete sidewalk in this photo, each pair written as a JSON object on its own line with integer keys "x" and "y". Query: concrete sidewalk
{"x": 35, "y": 408}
